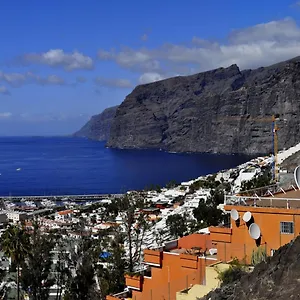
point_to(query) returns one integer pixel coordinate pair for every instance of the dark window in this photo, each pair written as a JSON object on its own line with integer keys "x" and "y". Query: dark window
{"x": 287, "y": 227}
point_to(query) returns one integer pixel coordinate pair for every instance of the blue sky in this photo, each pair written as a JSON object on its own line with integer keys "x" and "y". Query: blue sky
{"x": 64, "y": 61}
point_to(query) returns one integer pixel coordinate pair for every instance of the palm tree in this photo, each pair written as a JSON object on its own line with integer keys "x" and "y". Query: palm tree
{"x": 16, "y": 245}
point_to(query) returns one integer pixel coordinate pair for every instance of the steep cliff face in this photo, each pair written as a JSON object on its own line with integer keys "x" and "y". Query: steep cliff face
{"x": 224, "y": 110}
{"x": 98, "y": 127}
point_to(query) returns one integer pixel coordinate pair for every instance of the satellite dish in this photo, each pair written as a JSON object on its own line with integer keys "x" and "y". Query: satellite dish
{"x": 247, "y": 216}
{"x": 297, "y": 176}
{"x": 234, "y": 214}
{"x": 254, "y": 231}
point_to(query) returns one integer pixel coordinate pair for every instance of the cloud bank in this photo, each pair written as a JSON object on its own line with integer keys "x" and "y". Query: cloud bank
{"x": 59, "y": 58}
{"x": 19, "y": 79}
{"x": 252, "y": 47}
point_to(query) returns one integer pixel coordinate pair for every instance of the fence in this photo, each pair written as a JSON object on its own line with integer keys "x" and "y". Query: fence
{"x": 242, "y": 252}
{"x": 262, "y": 201}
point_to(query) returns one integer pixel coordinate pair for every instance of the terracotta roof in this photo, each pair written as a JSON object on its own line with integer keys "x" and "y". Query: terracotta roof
{"x": 65, "y": 212}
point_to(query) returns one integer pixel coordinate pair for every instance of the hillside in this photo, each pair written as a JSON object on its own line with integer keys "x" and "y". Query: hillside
{"x": 278, "y": 279}
{"x": 224, "y": 111}
{"x": 98, "y": 127}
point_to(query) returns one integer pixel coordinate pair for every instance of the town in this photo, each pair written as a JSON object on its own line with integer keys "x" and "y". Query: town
{"x": 171, "y": 242}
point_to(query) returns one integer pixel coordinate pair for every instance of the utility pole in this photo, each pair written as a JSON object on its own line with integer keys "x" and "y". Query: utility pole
{"x": 275, "y": 145}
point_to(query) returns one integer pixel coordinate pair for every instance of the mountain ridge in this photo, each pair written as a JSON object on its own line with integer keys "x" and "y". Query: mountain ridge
{"x": 98, "y": 127}
{"x": 225, "y": 110}
{"x": 218, "y": 111}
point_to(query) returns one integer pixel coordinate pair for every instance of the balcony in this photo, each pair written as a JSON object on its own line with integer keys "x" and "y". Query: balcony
{"x": 189, "y": 261}
{"x": 153, "y": 257}
{"x": 134, "y": 281}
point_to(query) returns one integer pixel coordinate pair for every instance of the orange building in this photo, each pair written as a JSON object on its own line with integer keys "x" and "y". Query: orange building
{"x": 277, "y": 222}
{"x": 177, "y": 266}
{"x": 256, "y": 222}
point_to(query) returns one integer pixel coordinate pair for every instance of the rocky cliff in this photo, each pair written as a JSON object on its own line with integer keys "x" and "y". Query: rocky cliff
{"x": 98, "y": 127}
{"x": 224, "y": 110}
{"x": 278, "y": 278}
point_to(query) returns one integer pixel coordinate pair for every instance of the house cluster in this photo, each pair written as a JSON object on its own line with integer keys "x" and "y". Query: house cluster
{"x": 188, "y": 268}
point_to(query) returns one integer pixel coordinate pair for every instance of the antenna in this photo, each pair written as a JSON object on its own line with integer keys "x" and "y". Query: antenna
{"x": 254, "y": 231}
{"x": 234, "y": 214}
{"x": 247, "y": 216}
{"x": 297, "y": 176}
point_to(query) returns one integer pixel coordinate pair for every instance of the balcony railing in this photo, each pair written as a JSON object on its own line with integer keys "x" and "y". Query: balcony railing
{"x": 289, "y": 203}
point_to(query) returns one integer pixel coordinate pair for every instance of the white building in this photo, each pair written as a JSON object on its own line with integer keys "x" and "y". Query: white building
{"x": 64, "y": 215}
{"x": 16, "y": 216}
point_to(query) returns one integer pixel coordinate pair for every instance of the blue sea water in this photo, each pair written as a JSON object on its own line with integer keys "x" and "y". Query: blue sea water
{"x": 64, "y": 165}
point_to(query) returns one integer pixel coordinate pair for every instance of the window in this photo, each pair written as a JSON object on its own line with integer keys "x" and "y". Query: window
{"x": 287, "y": 227}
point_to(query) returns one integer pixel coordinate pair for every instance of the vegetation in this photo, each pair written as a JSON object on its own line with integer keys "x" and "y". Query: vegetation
{"x": 177, "y": 225}
{"x": 235, "y": 271}
{"x": 209, "y": 183}
{"x": 171, "y": 184}
{"x": 15, "y": 245}
{"x": 36, "y": 269}
{"x": 262, "y": 180}
{"x": 207, "y": 213}
{"x": 259, "y": 255}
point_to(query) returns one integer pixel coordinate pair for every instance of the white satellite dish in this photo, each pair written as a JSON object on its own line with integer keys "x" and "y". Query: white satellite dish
{"x": 247, "y": 216}
{"x": 234, "y": 214}
{"x": 297, "y": 176}
{"x": 254, "y": 231}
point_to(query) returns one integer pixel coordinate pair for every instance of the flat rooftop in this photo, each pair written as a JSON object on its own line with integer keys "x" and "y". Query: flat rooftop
{"x": 287, "y": 199}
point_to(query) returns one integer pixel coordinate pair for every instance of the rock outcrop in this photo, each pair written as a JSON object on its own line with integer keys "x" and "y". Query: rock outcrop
{"x": 98, "y": 127}
{"x": 278, "y": 278}
{"x": 222, "y": 111}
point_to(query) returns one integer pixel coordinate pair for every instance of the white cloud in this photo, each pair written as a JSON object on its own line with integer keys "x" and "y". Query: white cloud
{"x": 252, "y": 47}
{"x": 150, "y": 77}
{"x": 19, "y": 79}
{"x": 13, "y": 78}
{"x": 59, "y": 58}
{"x": 4, "y": 90}
{"x": 5, "y": 115}
{"x": 278, "y": 31}
{"x": 140, "y": 60}
{"x": 51, "y": 79}
{"x": 119, "y": 83}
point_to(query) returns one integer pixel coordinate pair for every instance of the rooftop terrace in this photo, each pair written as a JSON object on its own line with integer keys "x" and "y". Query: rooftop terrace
{"x": 283, "y": 199}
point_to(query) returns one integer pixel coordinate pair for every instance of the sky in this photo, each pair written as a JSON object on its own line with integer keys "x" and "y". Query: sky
{"x": 63, "y": 61}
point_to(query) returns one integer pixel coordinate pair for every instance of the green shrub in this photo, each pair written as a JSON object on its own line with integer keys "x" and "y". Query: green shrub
{"x": 258, "y": 256}
{"x": 235, "y": 271}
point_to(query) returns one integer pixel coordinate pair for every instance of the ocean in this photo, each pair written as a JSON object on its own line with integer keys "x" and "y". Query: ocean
{"x": 67, "y": 165}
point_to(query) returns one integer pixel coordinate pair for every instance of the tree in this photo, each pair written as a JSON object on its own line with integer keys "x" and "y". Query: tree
{"x": 83, "y": 284}
{"x": 93, "y": 219}
{"x": 62, "y": 272}
{"x": 16, "y": 245}
{"x": 171, "y": 184}
{"x": 111, "y": 277}
{"x": 135, "y": 228}
{"x": 177, "y": 225}
{"x": 261, "y": 180}
{"x": 36, "y": 270}
{"x": 207, "y": 214}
